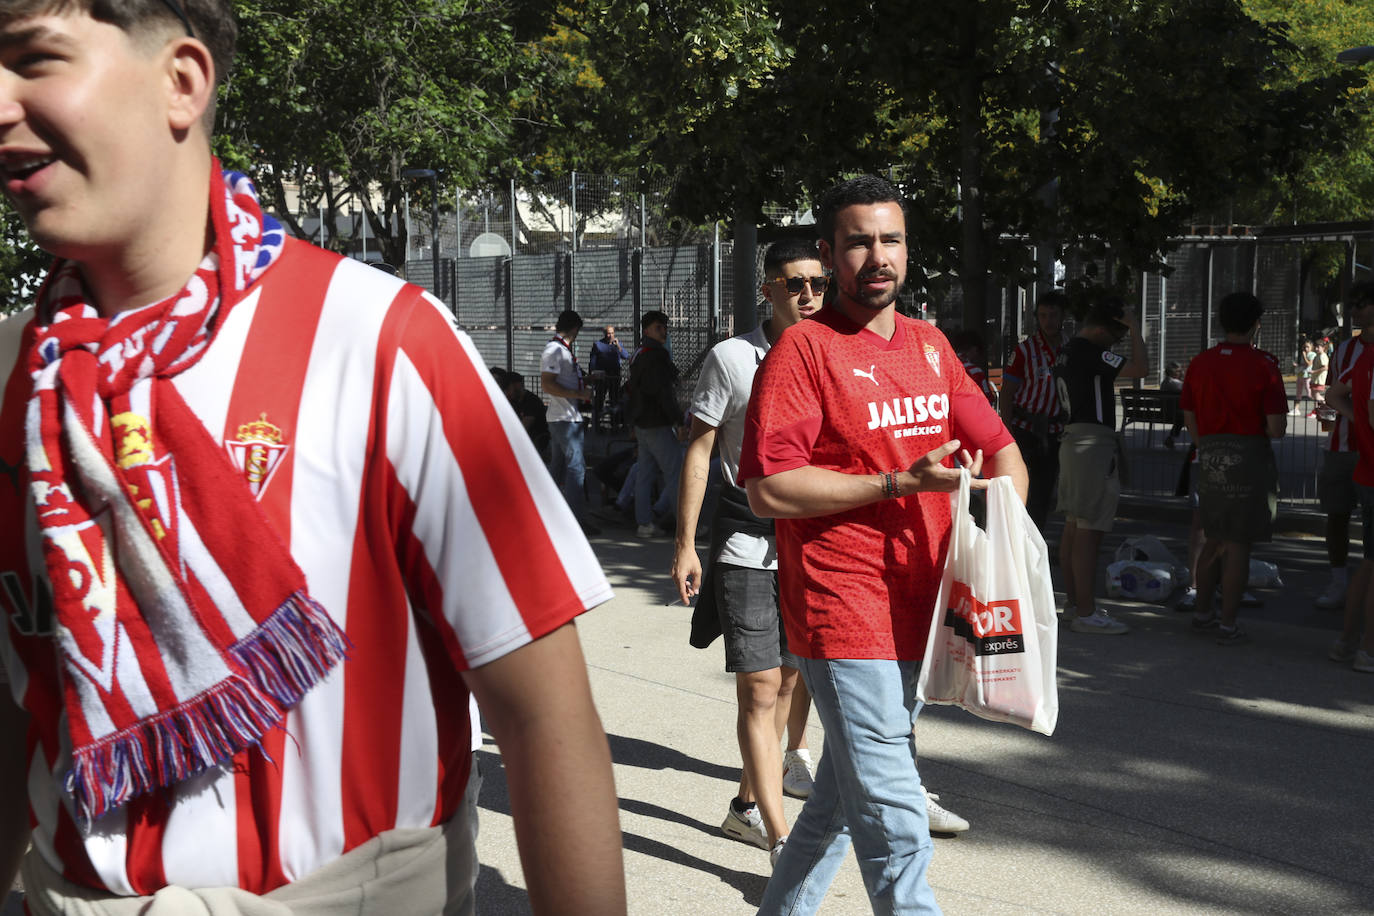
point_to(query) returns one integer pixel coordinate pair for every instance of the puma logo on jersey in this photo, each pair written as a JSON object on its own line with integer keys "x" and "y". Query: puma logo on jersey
{"x": 905, "y": 412}
{"x": 870, "y": 375}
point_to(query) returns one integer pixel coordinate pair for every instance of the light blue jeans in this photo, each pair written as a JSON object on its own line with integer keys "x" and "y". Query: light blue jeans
{"x": 659, "y": 454}
{"x": 566, "y": 463}
{"x": 867, "y": 792}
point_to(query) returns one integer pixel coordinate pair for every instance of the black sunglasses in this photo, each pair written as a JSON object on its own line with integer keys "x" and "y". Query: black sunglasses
{"x": 175, "y": 7}
{"x": 794, "y": 284}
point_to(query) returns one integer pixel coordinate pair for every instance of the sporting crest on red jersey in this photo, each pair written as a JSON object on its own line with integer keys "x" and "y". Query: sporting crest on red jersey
{"x": 933, "y": 357}
{"x": 257, "y": 452}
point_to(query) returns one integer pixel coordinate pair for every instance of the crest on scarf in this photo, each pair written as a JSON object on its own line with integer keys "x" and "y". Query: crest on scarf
{"x": 257, "y": 453}
{"x": 933, "y": 357}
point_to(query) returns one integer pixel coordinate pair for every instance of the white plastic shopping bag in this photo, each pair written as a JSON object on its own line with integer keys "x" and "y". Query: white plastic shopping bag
{"x": 1151, "y": 550}
{"x": 994, "y": 640}
{"x": 1140, "y": 579}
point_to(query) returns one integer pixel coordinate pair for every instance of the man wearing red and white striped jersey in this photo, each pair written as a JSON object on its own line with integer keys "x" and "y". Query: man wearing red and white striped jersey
{"x": 1030, "y": 402}
{"x": 852, "y": 416}
{"x": 1353, "y": 397}
{"x": 1335, "y": 481}
{"x": 266, "y": 522}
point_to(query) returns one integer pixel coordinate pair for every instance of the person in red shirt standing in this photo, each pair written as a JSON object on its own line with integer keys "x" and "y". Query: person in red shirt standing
{"x": 1030, "y": 402}
{"x": 852, "y": 418}
{"x": 1352, "y": 396}
{"x": 1234, "y": 403}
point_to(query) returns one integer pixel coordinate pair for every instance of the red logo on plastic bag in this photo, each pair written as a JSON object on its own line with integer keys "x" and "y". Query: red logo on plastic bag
{"x": 993, "y": 628}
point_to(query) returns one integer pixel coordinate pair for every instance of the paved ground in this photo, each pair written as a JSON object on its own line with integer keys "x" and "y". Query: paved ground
{"x": 1183, "y": 777}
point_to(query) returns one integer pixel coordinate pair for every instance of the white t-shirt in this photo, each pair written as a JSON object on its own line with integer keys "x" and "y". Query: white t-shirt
{"x": 559, "y": 359}
{"x": 721, "y": 399}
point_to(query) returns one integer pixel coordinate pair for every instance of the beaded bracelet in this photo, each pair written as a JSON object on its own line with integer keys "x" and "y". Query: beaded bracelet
{"x": 890, "y": 490}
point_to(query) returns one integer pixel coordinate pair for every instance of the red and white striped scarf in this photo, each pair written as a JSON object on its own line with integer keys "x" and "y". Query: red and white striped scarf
{"x": 184, "y": 629}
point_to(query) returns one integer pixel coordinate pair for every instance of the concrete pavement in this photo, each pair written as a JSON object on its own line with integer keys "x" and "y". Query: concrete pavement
{"x": 1183, "y": 777}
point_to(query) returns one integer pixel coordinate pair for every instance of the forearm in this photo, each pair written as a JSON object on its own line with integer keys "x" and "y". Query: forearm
{"x": 691, "y": 490}
{"x": 14, "y": 800}
{"x": 1008, "y": 462}
{"x": 1006, "y": 405}
{"x": 1138, "y": 366}
{"x": 807, "y": 492}
{"x": 558, "y": 771}
{"x": 1338, "y": 399}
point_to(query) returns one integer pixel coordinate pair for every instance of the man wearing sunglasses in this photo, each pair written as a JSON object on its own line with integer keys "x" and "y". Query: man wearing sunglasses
{"x": 739, "y": 592}
{"x": 852, "y": 418}
{"x": 268, "y": 523}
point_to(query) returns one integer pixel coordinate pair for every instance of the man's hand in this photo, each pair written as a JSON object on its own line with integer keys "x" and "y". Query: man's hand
{"x": 687, "y": 572}
{"x": 929, "y": 474}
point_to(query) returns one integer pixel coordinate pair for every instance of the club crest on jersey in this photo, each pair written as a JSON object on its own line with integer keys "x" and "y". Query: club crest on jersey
{"x": 933, "y": 357}
{"x": 257, "y": 452}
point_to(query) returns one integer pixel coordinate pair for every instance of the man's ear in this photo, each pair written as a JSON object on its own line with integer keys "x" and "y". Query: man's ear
{"x": 823, "y": 247}
{"x": 190, "y": 82}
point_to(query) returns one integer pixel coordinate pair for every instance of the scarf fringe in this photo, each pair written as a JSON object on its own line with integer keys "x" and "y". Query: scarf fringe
{"x": 292, "y": 650}
{"x": 289, "y": 653}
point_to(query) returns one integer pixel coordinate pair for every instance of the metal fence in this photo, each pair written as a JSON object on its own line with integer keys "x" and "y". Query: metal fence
{"x": 509, "y": 262}
{"x": 511, "y": 259}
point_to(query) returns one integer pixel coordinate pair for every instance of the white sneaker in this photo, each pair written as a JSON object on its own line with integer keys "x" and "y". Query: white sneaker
{"x": 646, "y": 531}
{"x": 1334, "y": 596}
{"x": 776, "y": 852}
{"x": 942, "y": 820}
{"x": 1364, "y": 662}
{"x": 1098, "y": 622}
{"x": 746, "y": 827}
{"x": 796, "y": 773}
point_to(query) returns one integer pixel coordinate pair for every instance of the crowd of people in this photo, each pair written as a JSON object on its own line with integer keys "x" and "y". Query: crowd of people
{"x": 271, "y": 526}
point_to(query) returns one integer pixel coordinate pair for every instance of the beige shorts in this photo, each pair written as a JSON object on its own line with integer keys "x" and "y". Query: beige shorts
{"x": 1089, "y": 482}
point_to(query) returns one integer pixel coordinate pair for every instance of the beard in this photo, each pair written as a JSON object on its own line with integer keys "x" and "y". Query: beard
{"x": 874, "y": 300}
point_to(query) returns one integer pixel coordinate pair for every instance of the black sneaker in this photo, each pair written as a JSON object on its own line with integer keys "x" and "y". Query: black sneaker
{"x": 1231, "y": 636}
{"x": 1206, "y": 624}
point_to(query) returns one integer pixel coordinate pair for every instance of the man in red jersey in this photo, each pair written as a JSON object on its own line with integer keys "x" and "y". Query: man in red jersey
{"x": 1352, "y": 395}
{"x": 1234, "y": 403}
{"x": 247, "y": 585}
{"x": 1030, "y": 401}
{"x": 852, "y": 417}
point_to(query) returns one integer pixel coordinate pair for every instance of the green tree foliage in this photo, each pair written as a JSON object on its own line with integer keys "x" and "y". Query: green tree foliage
{"x": 341, "y": 96}
{"x": 1162, "y": 110}
{"x": 22, "y": 264}
{"x": 1335, "y": 179}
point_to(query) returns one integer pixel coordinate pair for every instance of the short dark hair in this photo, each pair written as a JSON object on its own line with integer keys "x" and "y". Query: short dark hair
{"x": 212, "y": 21}
{"x": 652, "y": 318}
{"x": 785, "y": 251}
{"x": 568, "y": 320}
{"x": 866, "y": 189}
{"x": 1238, "y": 312}
{"x": 1106, "y": 312}
{"x": 1053, "y": 298}
{"x": 1361, "y": 294}
{"x": 501, "y": 375}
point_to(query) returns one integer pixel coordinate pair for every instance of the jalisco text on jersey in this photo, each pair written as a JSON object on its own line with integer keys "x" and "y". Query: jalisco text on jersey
{"x": 906, "y": 411}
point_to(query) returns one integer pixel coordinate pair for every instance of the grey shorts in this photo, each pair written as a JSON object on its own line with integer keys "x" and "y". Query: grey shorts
{"x": 747, "y": 602}
{"x": 1089, "y": 482}
{"x": 1237, "y": 488}
{"x": 1336, "y": 482}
